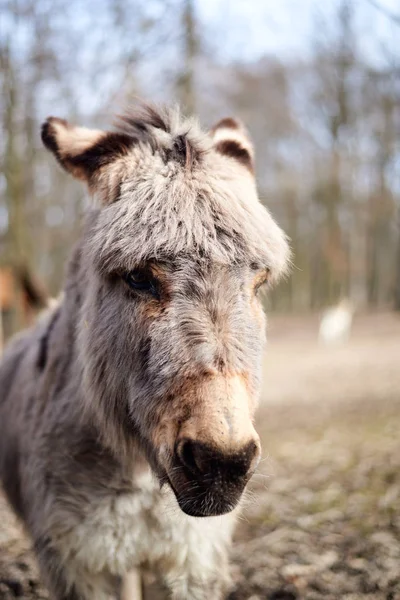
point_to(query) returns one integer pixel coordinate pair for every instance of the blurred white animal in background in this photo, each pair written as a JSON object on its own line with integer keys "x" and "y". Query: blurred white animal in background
{"x": 335, "y": 324}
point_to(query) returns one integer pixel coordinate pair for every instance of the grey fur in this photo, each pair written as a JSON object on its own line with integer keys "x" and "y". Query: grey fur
{"x": 90, "y": 397}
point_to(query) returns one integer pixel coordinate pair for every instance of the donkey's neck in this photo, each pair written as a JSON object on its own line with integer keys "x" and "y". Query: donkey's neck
{"x": 115, "y": 436}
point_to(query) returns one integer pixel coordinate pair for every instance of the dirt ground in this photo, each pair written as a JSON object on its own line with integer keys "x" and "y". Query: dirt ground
{"x": 322, "y": 516}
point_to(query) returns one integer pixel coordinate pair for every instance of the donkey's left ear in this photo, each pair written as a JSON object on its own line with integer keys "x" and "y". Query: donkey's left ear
{"x": 231, "y": 139}
{"x": 81, "y": 151}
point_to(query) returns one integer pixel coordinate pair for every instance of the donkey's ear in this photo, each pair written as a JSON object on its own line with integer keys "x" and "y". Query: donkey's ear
{"x": 81, "y": 151}
{"x": 231, "y": 139}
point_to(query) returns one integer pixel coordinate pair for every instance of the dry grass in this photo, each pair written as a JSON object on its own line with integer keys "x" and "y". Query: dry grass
{"x": 325, "y": 521}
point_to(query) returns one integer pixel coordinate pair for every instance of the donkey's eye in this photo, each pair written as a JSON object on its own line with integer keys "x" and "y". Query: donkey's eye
{"x": 142, "y": 281}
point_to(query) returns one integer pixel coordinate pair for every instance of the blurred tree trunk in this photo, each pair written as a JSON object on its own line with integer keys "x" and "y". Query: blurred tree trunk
{"x": 334, "y": 65}
{"x": 186, "y": 80}
{"x": 381, "y": 207}
{"x": 344, "y": 63}
{"x": 16, "y": 252}
{"x": 21, "y": 81}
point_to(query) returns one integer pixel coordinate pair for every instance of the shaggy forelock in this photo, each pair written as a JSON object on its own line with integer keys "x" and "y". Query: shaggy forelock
{"x": 178, "y": 195}
{"x": 164, "y": 131}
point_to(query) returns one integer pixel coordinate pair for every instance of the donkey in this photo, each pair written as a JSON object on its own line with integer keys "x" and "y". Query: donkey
{"x": 126, "y": 412}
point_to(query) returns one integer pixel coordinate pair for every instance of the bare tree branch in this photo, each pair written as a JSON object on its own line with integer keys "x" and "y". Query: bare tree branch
{"x": 393, "y": 17}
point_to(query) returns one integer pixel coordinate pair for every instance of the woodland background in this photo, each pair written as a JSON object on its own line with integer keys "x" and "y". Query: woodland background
{"x": 324, "y": 116}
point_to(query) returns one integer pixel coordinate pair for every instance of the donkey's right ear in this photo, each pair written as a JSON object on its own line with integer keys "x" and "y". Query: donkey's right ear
{"x": 82, "y": 151}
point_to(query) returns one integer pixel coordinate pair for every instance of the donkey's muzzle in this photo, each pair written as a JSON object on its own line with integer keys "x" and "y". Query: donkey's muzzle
{"x": 209, "y": 481}
{"x": 201, "y": 460}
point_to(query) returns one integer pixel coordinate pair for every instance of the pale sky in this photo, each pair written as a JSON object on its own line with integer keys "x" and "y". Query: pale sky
{"x": 241, "y": 30}
{"x": 286, "y": 28}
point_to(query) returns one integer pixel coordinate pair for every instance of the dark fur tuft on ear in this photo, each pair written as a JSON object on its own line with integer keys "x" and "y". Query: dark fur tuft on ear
{"x": 81, "y": 151}
{"x": 231, "y": 140}
{"x": 234, "y": 150}
{"x": 48, "y": 134}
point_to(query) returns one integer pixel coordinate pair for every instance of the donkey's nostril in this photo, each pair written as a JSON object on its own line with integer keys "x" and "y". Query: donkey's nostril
{"x": 190, "y": 455}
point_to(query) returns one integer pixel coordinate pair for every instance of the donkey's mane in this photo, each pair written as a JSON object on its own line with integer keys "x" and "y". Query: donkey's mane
{"x": 137, "y": 119}
{"x": 166, "y": 131}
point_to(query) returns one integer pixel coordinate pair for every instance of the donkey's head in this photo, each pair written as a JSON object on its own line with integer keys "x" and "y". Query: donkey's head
{"x": 171, "y": 329}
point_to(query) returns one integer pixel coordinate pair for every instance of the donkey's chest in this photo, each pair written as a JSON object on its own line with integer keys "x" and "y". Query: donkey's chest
{"x": 144, "y": 527}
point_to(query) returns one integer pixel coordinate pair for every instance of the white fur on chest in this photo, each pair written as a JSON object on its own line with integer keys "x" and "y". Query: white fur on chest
{"x": 147, "y": 527}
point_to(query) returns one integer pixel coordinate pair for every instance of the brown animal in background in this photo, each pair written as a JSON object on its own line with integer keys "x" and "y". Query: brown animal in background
{"x": 126, "y": 413}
